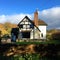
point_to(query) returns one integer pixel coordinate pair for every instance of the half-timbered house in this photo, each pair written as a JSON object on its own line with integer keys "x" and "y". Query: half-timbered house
{"x": 32, "y": 29}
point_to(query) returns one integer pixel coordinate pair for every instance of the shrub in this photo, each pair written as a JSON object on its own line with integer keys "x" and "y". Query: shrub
{"x": 6, "y": 36}
{"x": 56, "y": 36}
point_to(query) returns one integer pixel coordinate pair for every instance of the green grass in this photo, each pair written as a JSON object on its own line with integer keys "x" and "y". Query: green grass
{"x": 46, "y": 42}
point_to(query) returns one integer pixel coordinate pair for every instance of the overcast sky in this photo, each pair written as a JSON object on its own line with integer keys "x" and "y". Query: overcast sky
{"x": 15, "y": 10}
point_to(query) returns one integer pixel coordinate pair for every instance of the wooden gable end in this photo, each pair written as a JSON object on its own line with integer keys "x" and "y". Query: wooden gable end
{"x": 26, "y": 23}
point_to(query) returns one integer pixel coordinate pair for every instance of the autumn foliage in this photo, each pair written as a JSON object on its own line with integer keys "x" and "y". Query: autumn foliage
{"x": 6, "y": 27}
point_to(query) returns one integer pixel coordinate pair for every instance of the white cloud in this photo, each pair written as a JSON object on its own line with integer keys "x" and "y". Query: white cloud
{"x": 2, "y": 18}
{"x": 13, "y": 18}
{"x": 50, "y": 16}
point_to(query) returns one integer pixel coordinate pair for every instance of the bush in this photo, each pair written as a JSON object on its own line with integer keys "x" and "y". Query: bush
{"x": 0, "y": 36}
{"x": 56, "y": 36}
{"x": 49, "y": 37}
{"x": 6, "y": 36}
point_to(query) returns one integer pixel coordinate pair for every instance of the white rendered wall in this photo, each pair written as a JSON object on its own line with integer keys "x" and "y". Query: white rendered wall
{"x": 31, "y": 34}
{"x": 36, "y": 33}
{"x": 43, "y": 31}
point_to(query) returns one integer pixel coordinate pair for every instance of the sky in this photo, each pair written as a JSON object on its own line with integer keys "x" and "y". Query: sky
{"x": 14, "y": 11}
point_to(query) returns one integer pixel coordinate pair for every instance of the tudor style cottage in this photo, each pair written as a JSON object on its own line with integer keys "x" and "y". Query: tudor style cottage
{"x": 32, "y": 29}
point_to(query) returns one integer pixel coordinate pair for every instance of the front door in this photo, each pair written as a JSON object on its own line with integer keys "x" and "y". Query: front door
{"x": 25, "y": 34}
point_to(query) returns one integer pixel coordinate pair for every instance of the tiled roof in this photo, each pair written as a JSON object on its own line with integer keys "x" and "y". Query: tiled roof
{"x": 41, "y": 22}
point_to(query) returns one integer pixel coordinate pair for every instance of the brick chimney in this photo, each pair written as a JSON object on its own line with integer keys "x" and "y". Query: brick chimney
{"x": 36, "y": 18}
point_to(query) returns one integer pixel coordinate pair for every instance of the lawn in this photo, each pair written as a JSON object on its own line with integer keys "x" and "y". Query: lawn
{"x": 43, "y": 42}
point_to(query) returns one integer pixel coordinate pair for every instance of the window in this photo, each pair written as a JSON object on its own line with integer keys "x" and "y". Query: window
{"x": 21, "y": 26}
{"x": 41, "y": 34}
{"x": 31, "y": 26}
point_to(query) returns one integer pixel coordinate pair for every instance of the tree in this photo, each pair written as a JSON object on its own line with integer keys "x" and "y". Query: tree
{"x": 0, "y": 36}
